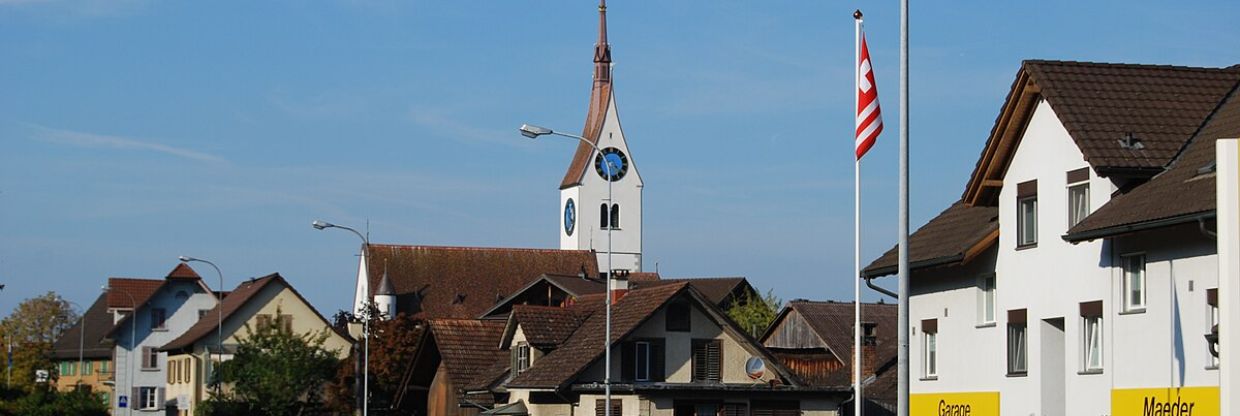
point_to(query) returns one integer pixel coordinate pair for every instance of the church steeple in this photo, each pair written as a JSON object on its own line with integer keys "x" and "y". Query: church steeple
{"x": 602, "y": 51}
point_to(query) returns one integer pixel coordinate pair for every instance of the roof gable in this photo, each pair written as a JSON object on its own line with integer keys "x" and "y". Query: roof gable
{"x": 719, "y": 290}
{"x": 1098, "y": 104}
{"x": 463, "y": 282}
{"x": 548, "y": 289}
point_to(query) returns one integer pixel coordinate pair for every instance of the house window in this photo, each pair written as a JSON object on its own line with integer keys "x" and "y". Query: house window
{"x": 678, "y": 317}
{"x": 986, "y": 299}
{"x": 600, "y": 407}
{"x": 1017, "y": 342}
{"x": 1078, "y": 196}
{"x": 87, "y": 368}
{"x": 707, "y": 356}
{"x": 1027, "y": 214}
{"x": 930, "y": 348}
{"x": 1091, "y": 336}
{"x": 103, "y": 367}
{"x": 66, "y": 368}
{"x": 521, "y": 357}
{"x": 1134, "y": 282}
{"x": 150, "y": 358}
{"x": 642, "y": 359}
{"x": 148, "y": 398}
{"x": 159, "y": 318}
{"x": 1212, "y": 320}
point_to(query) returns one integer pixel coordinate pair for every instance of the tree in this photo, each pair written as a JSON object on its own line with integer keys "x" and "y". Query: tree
{"x": 274, "y": 372}
{"x": 393, "y": 346}
{"x": 31, "y": 329}
{"x": 755, "y": 312}
{"x": 44, "y": 400}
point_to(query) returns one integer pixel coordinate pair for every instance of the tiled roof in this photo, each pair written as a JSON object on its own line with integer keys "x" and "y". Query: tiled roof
{"x": 139, "y": 289}
{"x": 717, "y": 289}
{"x": 643, "y": 276}
{"x": 547, "y": 325}
{"x": 183, "y": 271}
{"x": 1159, "y": 104}
{"x": 468, "y": 347}
{"x": 833, "y": 323}
{"x": 585, "y": 345}
{"x": 948, "y": 238}
{"x": 238, "y": 298}
{"x": 462, "y": 282}
{"x": 1185, "y": 183}
{"x": 577, "y": 286}
{"x": 98, "y": 322}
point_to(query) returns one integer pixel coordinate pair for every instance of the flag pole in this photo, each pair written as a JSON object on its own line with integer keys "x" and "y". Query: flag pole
{"x": 902, "y": 386}
{"x": 857, "y": 398}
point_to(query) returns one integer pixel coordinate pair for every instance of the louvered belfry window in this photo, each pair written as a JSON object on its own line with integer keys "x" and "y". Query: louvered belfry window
{"x": 707, "y": 359}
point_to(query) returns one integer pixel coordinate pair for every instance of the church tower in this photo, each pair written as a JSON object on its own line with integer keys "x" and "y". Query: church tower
{"x": 586, "y": 213}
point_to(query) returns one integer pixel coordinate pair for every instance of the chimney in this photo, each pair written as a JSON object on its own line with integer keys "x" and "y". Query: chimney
{"x": 619, "y": 284}
{"x": 869, "y": 350}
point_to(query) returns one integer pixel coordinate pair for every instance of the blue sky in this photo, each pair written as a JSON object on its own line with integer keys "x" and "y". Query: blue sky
{"x": 132, "y": 132}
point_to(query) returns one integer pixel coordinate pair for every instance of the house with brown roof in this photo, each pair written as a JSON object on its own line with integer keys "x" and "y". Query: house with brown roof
{"x": 255, "y": 303}
{"x": 672, "y": 351}
{"x": 814, "y": 340}
{"x": 83, "y": 356}
{"x": 1081, "y": 255}
{"x": 147, "y": 313}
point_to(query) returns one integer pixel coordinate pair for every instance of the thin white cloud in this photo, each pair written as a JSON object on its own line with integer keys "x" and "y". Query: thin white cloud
{"x": 441, "y": 123}
{"x": 92, "y": 140}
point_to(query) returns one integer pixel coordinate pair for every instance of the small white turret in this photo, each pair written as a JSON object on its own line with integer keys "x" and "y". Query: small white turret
{"x": 385, "y": 297}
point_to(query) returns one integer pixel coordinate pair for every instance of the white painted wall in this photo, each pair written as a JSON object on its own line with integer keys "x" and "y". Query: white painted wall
{"x": 1228, "y": 193}
{"x": 1050, "y": 280}
{"x": 181, "y": 314}
{"x": 627, "y": 239}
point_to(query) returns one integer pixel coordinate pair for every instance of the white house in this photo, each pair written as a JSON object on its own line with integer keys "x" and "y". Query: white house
{"x": 1077, "y": 273}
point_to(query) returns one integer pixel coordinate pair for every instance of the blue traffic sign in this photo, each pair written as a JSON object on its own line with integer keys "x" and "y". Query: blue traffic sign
{"x": 122, "y": 401}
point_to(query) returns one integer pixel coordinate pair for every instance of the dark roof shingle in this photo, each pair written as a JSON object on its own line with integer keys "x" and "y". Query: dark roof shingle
{"x": 547, "y": 325}
{"x": 717, "y": 289}
{"x": 468, "y": 347}
{"x": 946, "y": 239}
{"x": 93, "y": 342}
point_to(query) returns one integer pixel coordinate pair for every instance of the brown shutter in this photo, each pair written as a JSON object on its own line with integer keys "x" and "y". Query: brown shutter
{"x": 135, "y": 398}
{"x": 159, "y": 398}
{"x": 1027, "y": 189}
{"x": 1078, "y": 175}
{"x": 657, "y": 370}
{"x": 930, "y": 326}
{"x": 1091, "y": 309}
{"x": 714, "y": 359}
{"x": 616, "y": 408}
{"x": 1017, "y": 316}
{"x": 287, "y": 322}
{"x": 1212, "y": 297}
{"x": 628, "y": 360}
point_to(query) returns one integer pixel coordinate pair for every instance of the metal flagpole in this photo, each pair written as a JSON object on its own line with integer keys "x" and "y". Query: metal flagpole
{"x": 902, "y": 401}
{"x": 856, "y": 224}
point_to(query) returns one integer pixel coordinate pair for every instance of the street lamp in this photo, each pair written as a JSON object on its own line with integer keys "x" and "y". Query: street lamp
{"x": 133, "y": 336}
{"x": 219, "y": 325}
{"x": 81, "y": 340}
{"x": 365, "y": 312}
{"x": 533, "y": 132}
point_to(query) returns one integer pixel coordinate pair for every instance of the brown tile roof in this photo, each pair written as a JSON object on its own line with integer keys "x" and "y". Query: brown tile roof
{"x": 643, "y": 276}
{"x": 954, "y": 236}
{"x": 182, "y": 271}
{"x": 717, "y": 289}
{"x": 1192, "y": 190}
{"x": 122, "y": 291}
{"x": 547, "y": 325}
{"x": 462, "y": 282}
{"x": 238, "y": 298}
{"x": 585, "y": 345}
{"x": 94, "y": 345}
{"x": 468, "y": 347}
{"x": 1098, "y": 104}
{"x": 1161, "y": 105}
{"x": 575, "y": 285}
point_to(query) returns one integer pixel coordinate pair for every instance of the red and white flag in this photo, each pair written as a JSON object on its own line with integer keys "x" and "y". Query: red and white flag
{"x": 869, "y": 115}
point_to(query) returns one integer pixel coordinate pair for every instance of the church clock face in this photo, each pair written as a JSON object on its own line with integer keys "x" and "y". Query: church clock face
{"x": 619, "y": 164}
{"x": 570, "y": 217}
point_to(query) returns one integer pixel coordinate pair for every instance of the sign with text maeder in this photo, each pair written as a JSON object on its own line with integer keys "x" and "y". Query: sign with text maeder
{"x": 954, "y": 404}
{"x": 1165, "y": 401}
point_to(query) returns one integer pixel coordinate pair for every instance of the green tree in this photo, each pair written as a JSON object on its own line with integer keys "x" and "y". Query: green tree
{"x": 43, "y": 400}
{"x": 274, "y": 372}
{"x": 755, "y": 312}
{"x": 31, "y": 329}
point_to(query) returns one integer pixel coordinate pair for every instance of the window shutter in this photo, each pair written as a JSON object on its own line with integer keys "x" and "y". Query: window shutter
{"x": 733, "y": 409}
{"x": 512, "y": 362}
{"x": 1027, "y": 189}
{"x": 699, "y": 360}
{"x": 1017, "y": 316}
{"x": 930, "y": 326}
{"x": 1078, "y": 175}
{"x": 1212, "y": 297}
{"x": 135, "y": 398}
{"x": 616, "y": 408}
{"x": 714, "y": 350}
{"x": 159, "y": 398}
{"x": 628, "y": 360}
{"x": 1091, "y": 309}
{"x": 657, "y": 371}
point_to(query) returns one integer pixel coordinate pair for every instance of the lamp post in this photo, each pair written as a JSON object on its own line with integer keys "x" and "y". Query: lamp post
{"x": 322, "y": 225}
{"x": 133, "y": 336}
{"x": 219, "y": 324}
{"x": 533, "y": 132}
{"x": 81, "y": 339}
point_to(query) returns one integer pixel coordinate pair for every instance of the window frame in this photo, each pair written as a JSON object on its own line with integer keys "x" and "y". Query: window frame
{"x": 1072, "y": 212}
{"x": 1026, "y": 236}
{"x": 930, "y": 349}
{"x": 1091, "y": 344}
{"x": 524, "y": 358}
{"x": 987, "y": 299}
{"x": 147, "y": 398}
{"x": 708, "y": 365}
{"x": 642, "y": 357}
{"x": 1126, "y": 262}
{"x": 1017, "y": 343}
{"x": 150, "y": 359}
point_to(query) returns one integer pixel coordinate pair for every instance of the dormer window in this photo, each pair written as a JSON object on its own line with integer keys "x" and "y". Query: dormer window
{"x": 520, "y": 358}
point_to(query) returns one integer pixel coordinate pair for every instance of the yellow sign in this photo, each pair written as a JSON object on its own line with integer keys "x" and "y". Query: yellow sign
{"x": 955, "y": 404}
{"x": 1165, "y": 401}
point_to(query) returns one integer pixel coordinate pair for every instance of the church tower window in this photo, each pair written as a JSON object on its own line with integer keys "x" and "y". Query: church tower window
{"x": 615, "y": 216}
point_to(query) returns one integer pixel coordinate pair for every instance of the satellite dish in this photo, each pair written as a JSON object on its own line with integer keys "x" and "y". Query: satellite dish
{"x": 755, "y": 368}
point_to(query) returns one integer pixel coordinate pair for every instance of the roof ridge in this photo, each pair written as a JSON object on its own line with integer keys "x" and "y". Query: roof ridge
{"x": 1127, "y": 65}
{"x": 467, "y": 248}
{"x": 1205, "y": 122}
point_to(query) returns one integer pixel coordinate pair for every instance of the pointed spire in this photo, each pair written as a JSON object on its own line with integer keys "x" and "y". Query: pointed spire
{"x": 602, "y": 51}
{"x": 385, "y": 285}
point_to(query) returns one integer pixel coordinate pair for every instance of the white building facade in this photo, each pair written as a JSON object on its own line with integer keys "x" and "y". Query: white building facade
{"x": 1046, "y": 312}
